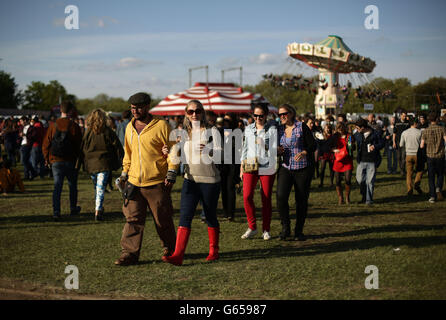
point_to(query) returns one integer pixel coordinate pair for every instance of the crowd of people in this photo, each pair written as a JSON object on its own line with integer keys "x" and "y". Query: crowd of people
{"x": 295, "y": 149}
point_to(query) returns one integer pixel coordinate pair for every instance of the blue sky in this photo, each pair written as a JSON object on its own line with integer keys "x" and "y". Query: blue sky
{"x": 123, "y": 47}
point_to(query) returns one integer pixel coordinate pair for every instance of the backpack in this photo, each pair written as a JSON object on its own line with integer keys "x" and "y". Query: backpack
{"x": 61, "y": 145}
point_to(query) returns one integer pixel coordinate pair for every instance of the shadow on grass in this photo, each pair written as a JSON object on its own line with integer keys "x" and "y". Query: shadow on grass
{"x": 311, "y": 250}
{"x": 65, "y": 220}
{"x": 381, "y": 229}
{"x": 361, "y": 213}
{"x": 279, "y": 251}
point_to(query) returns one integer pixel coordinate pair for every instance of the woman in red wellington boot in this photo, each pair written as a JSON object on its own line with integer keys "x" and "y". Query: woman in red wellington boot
{"x": 200, "y": 149}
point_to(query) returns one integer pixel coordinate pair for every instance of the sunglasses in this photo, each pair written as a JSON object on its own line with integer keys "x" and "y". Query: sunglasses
{"x": 261, "y": 116}
{"x": 283, "y": 114}
{"x": 191, "y": 112}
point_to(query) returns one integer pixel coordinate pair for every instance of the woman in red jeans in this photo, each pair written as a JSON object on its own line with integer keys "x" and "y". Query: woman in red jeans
{"x": 257, "y": 165}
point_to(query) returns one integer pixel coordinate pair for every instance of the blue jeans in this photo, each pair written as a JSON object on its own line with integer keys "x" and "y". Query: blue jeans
{"x": 37, "y": 161}
{"x": 25, "y": 156}
{"x": 61, "y": 170}
{"x": 191, "y": 194}
{"x": 391, "y": 160}
{"x": 100, "y": 180}
{"x": 365, "y": 176}
{"x": 435, "y": 168}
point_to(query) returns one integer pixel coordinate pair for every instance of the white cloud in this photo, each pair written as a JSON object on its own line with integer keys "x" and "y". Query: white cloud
{"x": 264, "y": 58}
{"x": 125, "y": 63}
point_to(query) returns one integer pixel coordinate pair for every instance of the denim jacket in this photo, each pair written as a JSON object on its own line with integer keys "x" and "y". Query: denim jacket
{"x": 261, "y": 144}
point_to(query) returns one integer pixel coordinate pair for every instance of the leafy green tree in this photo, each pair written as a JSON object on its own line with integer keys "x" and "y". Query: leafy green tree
{"x": 102, "y": 100}
{"x": 426, "y": 93}
{"x": 41, "y": 96}
{"x": 10, "y": 97}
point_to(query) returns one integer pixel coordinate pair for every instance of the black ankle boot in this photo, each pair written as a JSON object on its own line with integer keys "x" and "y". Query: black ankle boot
{"x": 286, "y": 232}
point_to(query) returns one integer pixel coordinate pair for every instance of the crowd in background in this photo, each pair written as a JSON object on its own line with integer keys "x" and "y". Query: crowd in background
{"x": 22, "y": 140}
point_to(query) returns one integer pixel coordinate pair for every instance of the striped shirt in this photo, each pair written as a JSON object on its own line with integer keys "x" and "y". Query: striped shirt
{"x": 433, "y": 138}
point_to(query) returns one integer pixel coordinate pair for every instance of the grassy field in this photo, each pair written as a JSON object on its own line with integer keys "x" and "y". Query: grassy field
{"x": 404, "y": 238}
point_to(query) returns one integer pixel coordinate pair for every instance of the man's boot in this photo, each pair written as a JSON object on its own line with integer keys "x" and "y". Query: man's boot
{"x": 176, "y": 258}
{"x": 213, "y": 234}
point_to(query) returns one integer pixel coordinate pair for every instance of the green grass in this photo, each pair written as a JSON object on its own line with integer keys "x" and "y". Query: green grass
{"x": 343, "y": 240}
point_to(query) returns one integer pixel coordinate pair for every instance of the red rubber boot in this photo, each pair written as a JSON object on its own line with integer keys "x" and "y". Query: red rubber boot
{"x": 213, "y": 234}
{"x": 176, "y": 258}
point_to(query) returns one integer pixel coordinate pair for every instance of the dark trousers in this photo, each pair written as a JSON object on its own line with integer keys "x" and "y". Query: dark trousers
{"x": 37, "y": 161}
{"x": 229, "y": 175}
{"x": 191, "y": 194}
{"x": 392, "y": 165}
{"x": 401, "y": 156}
{"x": 25, "y": 154}
{"x": 11, "y": 153}
{"x": 435, "y": 169}
{"x": 61, "y": 170}
{"x": 301, "y": 180}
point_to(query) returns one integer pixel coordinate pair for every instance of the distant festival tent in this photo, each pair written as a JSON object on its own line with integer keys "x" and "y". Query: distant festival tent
{"x": 218, "y": 97}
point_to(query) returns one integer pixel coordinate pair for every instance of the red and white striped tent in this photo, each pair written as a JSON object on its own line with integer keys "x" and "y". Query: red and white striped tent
{"x": 217, "y": 97}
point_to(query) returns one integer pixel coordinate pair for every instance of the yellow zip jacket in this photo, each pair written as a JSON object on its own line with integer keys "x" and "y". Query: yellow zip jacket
{"x": 143, "y": 160}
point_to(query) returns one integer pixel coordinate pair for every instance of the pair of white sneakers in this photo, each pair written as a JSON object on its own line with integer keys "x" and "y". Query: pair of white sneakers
{"x": 251, "y": 233}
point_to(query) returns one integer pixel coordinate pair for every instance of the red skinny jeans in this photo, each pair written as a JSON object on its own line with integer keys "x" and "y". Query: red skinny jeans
{"x": 249, "y": 184}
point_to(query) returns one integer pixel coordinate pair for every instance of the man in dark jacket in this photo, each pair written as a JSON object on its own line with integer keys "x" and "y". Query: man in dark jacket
{"x": 369, "y": 144}
{"x": 63, "y": 165}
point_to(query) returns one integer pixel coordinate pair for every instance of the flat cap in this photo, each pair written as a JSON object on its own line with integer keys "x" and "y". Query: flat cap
{"x": 140, "y": 98}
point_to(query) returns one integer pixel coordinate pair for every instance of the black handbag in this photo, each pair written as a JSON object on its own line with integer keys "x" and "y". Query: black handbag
{"x": 129, "y": 193}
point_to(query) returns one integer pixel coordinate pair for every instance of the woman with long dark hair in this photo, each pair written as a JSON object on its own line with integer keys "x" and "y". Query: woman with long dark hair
{"x": 201, "y": 181}
{"x": 296, "y": 146}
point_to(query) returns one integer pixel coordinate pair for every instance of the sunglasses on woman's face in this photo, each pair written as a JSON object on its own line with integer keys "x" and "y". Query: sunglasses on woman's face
{"x": 192, "y": 111}
{"x": 283, "y": 114}
{"x": 258, "y": 116}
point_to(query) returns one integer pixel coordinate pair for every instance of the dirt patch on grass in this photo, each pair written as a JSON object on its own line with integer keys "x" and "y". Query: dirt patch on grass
{"x": 21, "y": 290}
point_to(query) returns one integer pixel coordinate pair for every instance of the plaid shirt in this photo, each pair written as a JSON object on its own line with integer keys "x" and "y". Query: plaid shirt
{"x": 433, "y": 138}
{"x": 292, "y": 147}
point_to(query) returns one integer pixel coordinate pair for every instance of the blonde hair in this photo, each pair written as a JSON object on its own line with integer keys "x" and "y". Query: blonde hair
{"x": 97, "y": 121}
{"x": 187, "y": 124}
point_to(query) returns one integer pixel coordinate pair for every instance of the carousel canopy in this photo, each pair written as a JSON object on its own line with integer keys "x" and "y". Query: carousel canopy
{"x": 331, "y": 54}
{"x": 217, "y": 97}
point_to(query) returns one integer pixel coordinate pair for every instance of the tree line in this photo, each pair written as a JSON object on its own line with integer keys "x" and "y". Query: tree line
{"x": 44, "y": 96}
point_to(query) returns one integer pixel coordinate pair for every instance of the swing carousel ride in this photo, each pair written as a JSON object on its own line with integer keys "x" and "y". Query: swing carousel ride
{"x": 331, "y": 58}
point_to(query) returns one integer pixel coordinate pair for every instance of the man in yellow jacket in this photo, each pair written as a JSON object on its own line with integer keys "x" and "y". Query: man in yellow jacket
{"x": 152, "y": 176}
